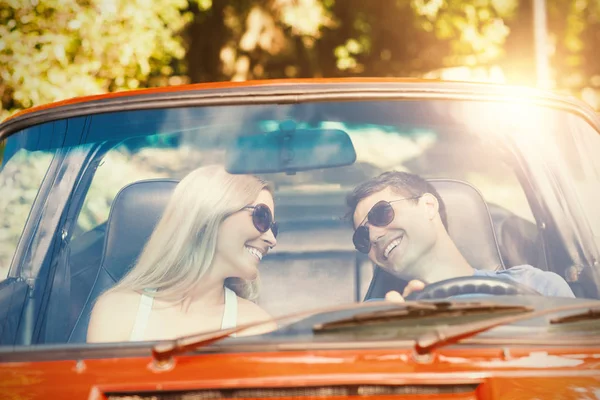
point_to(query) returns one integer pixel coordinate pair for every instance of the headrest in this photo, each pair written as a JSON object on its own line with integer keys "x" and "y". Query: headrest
{"x": 469, "y": 223}
{"x": 134, "y": 213}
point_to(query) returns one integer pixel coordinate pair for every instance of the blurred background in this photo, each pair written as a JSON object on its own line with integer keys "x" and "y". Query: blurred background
{"x": 56, "y": 49}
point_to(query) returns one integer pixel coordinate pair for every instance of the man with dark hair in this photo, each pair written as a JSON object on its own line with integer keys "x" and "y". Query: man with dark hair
{"x": 400, "y": 222}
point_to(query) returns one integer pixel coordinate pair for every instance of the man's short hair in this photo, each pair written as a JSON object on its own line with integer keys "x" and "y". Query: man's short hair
{"x": 403, "y": 183}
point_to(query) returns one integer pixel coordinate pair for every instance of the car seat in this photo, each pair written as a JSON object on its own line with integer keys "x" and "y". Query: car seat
{"x": 134, "y": 213}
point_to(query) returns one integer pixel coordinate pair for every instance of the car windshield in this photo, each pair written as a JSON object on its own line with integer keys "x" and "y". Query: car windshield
{"x": 507, "y": 191}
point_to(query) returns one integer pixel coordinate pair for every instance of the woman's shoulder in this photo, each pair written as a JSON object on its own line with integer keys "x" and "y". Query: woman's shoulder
{"x": 123, "y": 299}
{"x": 251, "y": 309}
{"x": 113, "y": 316}
{"x": 249, "y": 312}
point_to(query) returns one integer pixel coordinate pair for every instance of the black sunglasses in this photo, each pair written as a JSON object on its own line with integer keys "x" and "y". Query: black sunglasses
{"x": 381, "y": 214}
{"x": 262, "y": 218}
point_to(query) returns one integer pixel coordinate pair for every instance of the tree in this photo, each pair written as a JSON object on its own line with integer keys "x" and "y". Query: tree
{"x": 56, "y": 49}
{"x": 574, "y": 30}
{"x": 409, "y": 38}
{"x": 575, "y": 38}
{"x": 308, "y": 38}
{"x": 239, "y": 40}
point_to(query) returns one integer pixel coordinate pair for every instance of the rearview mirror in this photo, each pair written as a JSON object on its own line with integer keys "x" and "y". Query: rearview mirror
{"x": 290, "y": 150}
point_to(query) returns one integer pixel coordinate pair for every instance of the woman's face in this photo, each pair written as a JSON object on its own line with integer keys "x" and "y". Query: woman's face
{"x": 240, "y": 246}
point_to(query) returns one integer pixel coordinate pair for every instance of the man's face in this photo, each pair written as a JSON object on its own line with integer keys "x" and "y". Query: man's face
{"x": 404, "y": 244}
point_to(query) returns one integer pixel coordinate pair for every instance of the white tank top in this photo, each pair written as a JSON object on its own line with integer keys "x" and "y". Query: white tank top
{"x": 145, "y": 308}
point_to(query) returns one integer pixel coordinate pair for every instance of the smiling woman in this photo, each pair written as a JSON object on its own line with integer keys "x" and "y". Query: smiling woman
{"x": 202, "y": 255}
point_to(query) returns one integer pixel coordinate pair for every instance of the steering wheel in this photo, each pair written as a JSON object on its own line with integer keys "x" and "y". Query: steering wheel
{"x": 472, "y": 285}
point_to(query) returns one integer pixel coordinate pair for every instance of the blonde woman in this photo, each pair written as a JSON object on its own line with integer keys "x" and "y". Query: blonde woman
{"x": 199, "y": 269}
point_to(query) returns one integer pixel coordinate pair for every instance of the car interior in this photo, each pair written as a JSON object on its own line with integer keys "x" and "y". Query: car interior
{"x": 333, "y": 275}
{"x": 314, "y": 255}
{"x": 330, "y": 274}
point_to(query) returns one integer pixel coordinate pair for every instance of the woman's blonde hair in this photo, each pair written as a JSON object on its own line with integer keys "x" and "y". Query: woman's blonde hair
{"x": 181, "y": 249}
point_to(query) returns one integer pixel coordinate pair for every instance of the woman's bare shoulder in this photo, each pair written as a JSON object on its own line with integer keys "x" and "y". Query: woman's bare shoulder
{"x": 250, "y": 312}
{"x": 113, "y": 316}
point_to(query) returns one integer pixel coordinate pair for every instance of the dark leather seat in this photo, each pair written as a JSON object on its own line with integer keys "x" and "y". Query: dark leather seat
{"x": 470, "y": 223}
{"x": 134, "y": 213}
{"x": 470, "y": 227}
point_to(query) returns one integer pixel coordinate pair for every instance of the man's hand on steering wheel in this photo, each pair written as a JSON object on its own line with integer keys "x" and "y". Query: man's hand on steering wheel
{"x": 412, "y": 286}
{"x": 464, "y": 285}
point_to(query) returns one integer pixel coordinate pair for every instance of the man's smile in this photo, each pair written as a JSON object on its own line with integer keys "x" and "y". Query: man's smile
{"x": 392, "y": 245}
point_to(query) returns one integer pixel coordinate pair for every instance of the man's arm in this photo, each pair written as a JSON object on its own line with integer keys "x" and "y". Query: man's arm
{"x": 545, "y": 282}
{"x": 556, "y": 285}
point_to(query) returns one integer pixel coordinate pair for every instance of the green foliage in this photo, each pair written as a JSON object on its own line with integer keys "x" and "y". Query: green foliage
{"x": 56, "y": 49}
{"x": 311, "y": 38}
{"x": 575, "y": 27}
{"x": 410, "y": 37}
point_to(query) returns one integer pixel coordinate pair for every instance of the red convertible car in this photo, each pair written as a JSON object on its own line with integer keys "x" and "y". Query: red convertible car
{"x": 87, "y": 183}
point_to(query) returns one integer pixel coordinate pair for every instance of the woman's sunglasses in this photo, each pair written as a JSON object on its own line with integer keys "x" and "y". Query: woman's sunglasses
{"x": 381, "y": 214}
{"x": 263, "y": 219}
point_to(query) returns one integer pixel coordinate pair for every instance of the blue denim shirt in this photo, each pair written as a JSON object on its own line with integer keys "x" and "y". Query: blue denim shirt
{"x": 545, "y": 282}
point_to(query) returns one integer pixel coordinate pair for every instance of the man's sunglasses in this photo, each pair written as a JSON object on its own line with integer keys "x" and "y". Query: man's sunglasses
{"x": 262, "y": 218}
{"x": 381, "y": 214}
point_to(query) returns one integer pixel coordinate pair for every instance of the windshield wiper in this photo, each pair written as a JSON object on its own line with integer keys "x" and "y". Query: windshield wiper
{"x": 418, "y": 310}
{"x": 164, "y": 352}
{"x": 590, "y": 314}
{"x": 430, "y": 341}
